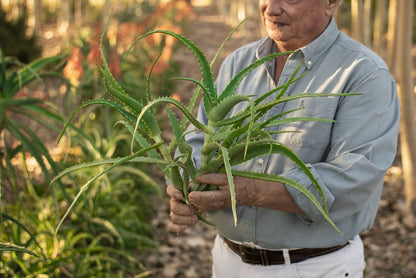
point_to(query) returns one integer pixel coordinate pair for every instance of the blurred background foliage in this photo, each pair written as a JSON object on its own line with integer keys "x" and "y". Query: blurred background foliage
{"x": 110, "y": 226}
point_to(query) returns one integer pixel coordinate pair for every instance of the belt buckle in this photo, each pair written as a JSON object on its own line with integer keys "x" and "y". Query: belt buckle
{"x": 264, "y": 260}
{"x": 243, "y": 254}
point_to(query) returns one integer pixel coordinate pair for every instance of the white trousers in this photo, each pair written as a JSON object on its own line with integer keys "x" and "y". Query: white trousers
{"x": 347, "y": 262}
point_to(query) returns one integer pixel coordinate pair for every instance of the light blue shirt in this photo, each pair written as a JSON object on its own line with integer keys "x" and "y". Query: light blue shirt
{"x": 349, "y": 158}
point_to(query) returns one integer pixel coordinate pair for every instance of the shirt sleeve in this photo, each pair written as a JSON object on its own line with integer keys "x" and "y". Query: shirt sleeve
{"x": 362, "y": 147}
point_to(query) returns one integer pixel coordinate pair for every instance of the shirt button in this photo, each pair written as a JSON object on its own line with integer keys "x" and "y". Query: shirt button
{"x": 310, "y": 63}
{"x": 260, "y": 161}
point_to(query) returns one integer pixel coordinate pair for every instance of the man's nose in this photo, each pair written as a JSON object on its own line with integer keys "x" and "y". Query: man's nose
{"x": 274, "y": 7}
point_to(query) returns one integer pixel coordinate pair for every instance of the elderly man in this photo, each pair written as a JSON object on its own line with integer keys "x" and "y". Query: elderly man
{"x": 280, "y": 233}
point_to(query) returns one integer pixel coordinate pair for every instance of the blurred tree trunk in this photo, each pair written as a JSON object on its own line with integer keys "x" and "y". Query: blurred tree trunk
{"x": 357, "y": 9}
{"x": 64, "y": 16}
{"x": 78, "y": 13}
{"x": 367, "y": 22}
{"x": 391, "y": 35}
{"x": 34, "y": 15}
{"x": 379, "y": 23}
{"x": 407, "y": 102}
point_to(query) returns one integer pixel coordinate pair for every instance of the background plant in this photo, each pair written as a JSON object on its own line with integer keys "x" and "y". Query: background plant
{"x": 111, "y": 222}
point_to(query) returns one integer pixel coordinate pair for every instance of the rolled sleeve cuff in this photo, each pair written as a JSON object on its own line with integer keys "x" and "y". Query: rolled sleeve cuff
{"x": 313, "y": 215}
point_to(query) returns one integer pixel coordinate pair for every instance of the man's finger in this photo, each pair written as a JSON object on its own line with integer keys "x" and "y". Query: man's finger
{"x": 213, "y": 178}
{"x": 210, "y": 200}
{"x": 173, "y": 192}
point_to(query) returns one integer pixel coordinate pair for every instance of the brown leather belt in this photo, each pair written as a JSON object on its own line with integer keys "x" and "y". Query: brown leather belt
{"x": 270, "y": 257}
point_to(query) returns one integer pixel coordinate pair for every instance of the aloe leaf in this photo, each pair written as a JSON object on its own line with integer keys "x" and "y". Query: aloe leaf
{"x": 34, "y": 148}
{"x": 29, "y": 73}
{"x": 297, "y": 186}
{"x": 9, "y": 247}
{"x": 297, "y": 119}
{"x": 84, "y": 187}
{"x": 141, "y": 140}
{"x": 19, "y": 101}
{"x": 106, "y": 162}
{"x": 197, "y": 82}
{"x": 112, "y": 104}
{"x": 110, "y": 228}
{"x": 221, "y": 110}
{"x": 230, "y": 179}
{"x": 198, "y": 89}
{"x": 258, "y": 148}
{"x": 117, "y": 91}
{"x": 274, "y": 90}
{"x": 183, "y": 147}
{"x": 290, "y": 81}
{"x": 233, "y": 84}
{"x": 274, "y": 147}
{"x": 2, "y": 73}
{"x": 209, "y": 95}
{"x": 268, "y": 106}
{"x": 5, "y": 216}
{"x": 149, "y": 76}
{"x": 217, "y": 54}
{"x": 179, "y": 105}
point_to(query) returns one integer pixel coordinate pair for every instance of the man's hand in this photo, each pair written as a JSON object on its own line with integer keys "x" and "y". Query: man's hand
{"x": 221, "y": 198}
{"x": 182, "y": 216}
{"x": 248, "y": 192}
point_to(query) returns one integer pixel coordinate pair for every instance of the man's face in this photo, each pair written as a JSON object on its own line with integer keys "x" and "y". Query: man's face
{"x": 295, "y": 23}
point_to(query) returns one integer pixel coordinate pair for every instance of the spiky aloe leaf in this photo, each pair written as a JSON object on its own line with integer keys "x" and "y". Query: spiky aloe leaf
{"x": 4, "y": 246}
{"x": 294, "y": 120}
{"x": 221, "y": 110}
{"x": 209, "y": 92}
{"x": 118, "y": 162}
{"x": 32, "y": 144}
{"x": 233, "y": 84}
{"x": 258, "y": 148}
{"x": 105, "y": 162}
{"x": 19, "y": 101}
{"x": 111, "y": 104}
{"x": 263, "y": 108}
{"x": 140, "y": 139}
{"x": 293, "y": 184}
{"x": 179, "y": 105}
{"x": 230, "y": 179}
{"x": 10, "y": 247}
{"x": 290, "y": 81}
{"x": 28, "y": 73}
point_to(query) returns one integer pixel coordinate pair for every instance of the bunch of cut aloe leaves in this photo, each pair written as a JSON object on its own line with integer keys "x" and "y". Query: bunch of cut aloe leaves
{"x": 228, "y": 141}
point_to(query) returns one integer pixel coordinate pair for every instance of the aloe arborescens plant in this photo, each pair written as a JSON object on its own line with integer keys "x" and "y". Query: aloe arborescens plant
{"x": 228, "y": 140}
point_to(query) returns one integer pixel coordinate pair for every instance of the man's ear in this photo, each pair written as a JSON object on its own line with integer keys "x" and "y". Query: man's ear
{"x": 331, "y": 6}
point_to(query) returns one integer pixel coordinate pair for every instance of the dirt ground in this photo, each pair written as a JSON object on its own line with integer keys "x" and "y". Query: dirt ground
{"x": 390, "y": 247}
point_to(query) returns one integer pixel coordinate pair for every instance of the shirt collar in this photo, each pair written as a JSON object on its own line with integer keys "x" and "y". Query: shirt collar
{"x": 311, "y": 52}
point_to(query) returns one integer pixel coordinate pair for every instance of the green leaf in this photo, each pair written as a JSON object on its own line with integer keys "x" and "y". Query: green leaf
{"x": 210, "y": 94}
{"x": 10, "y": 247}
{"x": 297, "y": 186}
{"x": 29, "y": 73}
{"x": 230, "y": 179}
{"x": 111, "y": 104}
{"x": 84, "y": 187}
{"x": 233, "y": 84}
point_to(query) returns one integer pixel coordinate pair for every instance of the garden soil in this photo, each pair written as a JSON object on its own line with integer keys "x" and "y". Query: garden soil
{"x": 390, "y": 246}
